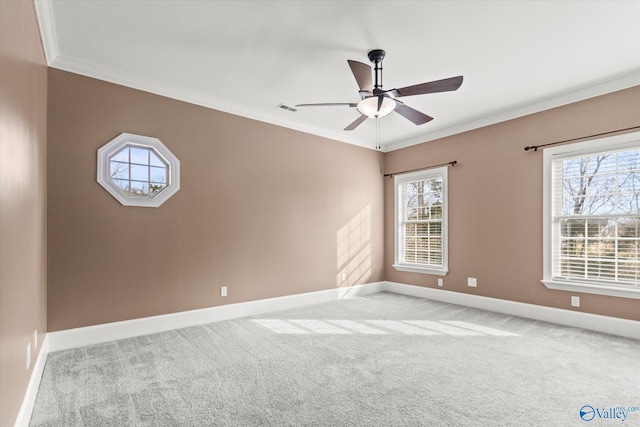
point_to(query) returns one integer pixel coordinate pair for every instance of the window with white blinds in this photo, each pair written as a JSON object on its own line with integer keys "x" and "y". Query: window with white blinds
{"x": 421, "y": 221}
{"x": 594, "y": 216}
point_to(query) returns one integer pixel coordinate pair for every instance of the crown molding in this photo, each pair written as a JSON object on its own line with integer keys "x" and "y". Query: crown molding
{"x": 181, "y": 94}
{"x": 46, "y": 21}
{"x": 175, "y": 92}
{"x": 621, "y": 83}
{"x": 44, "y": 11}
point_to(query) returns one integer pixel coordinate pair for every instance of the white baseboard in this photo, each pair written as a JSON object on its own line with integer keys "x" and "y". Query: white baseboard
{"x": 72, "y": 338}
{"x": 24, "y": 416}
{"x": 78, "y": 337}
{"x": 594, "y": 322}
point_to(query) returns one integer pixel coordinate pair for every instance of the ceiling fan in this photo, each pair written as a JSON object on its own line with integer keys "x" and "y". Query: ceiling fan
{"x": 376, "y": 102}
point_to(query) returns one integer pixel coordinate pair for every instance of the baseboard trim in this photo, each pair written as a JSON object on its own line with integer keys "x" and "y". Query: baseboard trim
{"x": 24, "y": 416}
{"x": 72, "y": 338}
{"x": 595, "y": 322}
{"x": 78, "y": 337}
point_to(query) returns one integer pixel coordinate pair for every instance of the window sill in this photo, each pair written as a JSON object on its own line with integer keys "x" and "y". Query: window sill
{"x": 422, "y": 270}
{"x": 610, "y": 290}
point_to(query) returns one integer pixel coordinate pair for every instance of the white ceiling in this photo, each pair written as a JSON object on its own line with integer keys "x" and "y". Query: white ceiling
{"x": 247, "y": 57}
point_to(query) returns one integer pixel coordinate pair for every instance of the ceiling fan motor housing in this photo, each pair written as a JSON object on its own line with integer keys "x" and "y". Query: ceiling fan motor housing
{"x": 376, "y": 55}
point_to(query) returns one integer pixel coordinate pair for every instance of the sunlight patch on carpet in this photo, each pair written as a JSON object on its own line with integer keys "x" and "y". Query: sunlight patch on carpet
{"x": 379, "y": 327}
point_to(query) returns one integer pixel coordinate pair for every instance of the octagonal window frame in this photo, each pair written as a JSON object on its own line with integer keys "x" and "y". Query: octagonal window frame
{"x": 113, "y": 147}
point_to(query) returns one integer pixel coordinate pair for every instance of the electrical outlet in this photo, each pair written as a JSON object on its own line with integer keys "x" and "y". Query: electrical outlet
{"x": 35, "y": 339}
{"x": 344, "y": 276}
{"x": 472, "y": 282}
{"x": 28, "y": 356}
{"x": 575, "y": 301}
{"x": 223, "y": 291}
{"x": 439, "y": 282}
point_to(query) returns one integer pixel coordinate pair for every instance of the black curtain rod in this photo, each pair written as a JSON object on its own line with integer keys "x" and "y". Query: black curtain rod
{"x": 535, "y": 147}
{"x": 453, "y": 163}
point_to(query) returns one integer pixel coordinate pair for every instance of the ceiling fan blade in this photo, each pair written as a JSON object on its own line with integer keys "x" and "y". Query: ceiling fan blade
{"x": 329, "y": 104}
{"x": 357, "y": 122}
{"x": 411, "y": 114}
{"x": 362, "y": 73}
{"x": 444, "y": 85}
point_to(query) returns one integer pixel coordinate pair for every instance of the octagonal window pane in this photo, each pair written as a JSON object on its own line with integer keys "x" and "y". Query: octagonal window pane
{"x": 156, "y": 188}
{"x": 137, "y": 188}
{"x": 155, "y": 160}
{"x": 138, "y": 170}
{"x": 119, "y": 170}
{"x": 139, "y": 155}
{"x": 122, "y": 155}
{"x": 158, "y": 175}
{"x": 132, "y": 171}
{"x": 122, "y": 183}
{"x": 139, "y": 173}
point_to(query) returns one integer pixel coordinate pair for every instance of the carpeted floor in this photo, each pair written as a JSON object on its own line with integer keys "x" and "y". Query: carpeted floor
{"x": 378, "y": 360}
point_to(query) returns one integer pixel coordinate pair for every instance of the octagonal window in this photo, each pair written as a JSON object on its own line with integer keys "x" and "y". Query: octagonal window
{"x": 138, "y": 170}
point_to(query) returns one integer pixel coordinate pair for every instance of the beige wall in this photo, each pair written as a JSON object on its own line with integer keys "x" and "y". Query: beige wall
{"x": 264, "y": 210}
{"x": 268, "y": 211}
{"x": 23, "y": 121}
{"x": 495, "y": 202}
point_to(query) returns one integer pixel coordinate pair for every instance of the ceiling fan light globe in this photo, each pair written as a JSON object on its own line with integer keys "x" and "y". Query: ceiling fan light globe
{"x": 369, "y": 107}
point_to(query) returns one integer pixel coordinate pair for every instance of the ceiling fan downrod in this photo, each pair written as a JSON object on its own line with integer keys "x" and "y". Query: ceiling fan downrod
{"x": 376, "y": 56}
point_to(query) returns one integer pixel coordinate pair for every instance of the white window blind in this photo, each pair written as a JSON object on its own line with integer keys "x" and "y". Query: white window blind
{"x": 421, "y": 222}
{"x": 596, "y": 217}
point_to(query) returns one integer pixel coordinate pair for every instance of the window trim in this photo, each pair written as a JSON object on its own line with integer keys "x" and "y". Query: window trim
{"x": 618, "y": 142}
{"x": 413, "y": 176}
{"x": 126, "y": 139}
